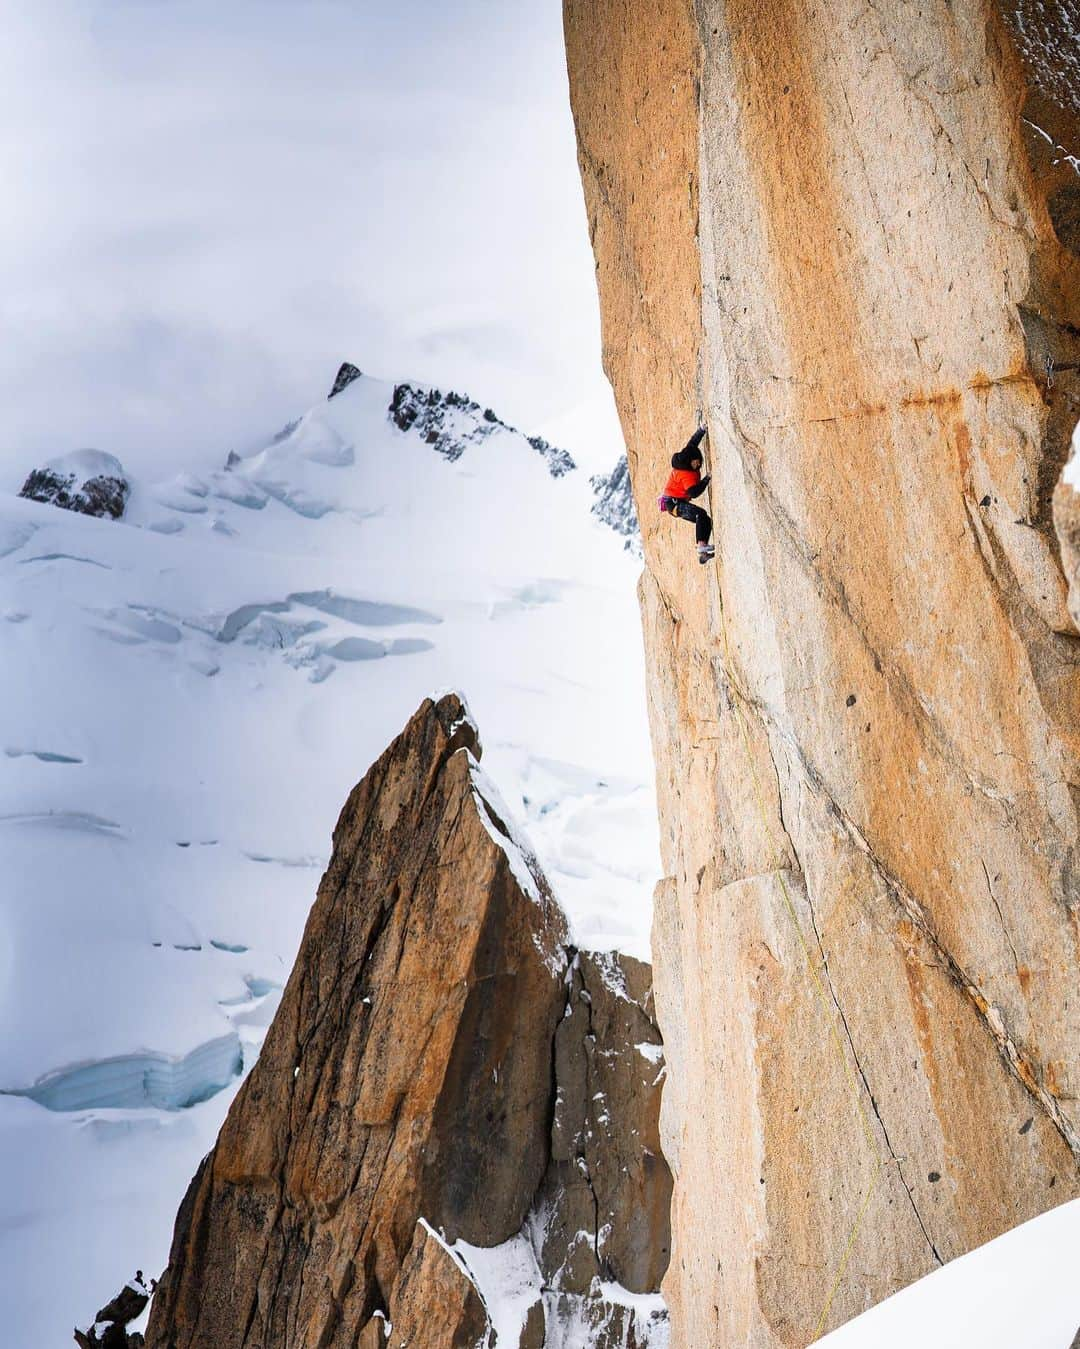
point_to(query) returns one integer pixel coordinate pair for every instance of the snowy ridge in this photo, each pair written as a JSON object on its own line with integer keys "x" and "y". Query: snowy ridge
{"x": 451, "y": 422}
{"x": 193, "y": 691}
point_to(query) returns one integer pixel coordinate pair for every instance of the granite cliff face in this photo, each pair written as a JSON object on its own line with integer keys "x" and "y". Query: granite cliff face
{"x": 452, "y": 1131}
{"x": 845, "y": 235}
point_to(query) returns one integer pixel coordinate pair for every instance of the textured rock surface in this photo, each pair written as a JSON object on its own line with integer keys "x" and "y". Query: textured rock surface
{"x": 451, "y": 422}
{"x": 608, "y": 1187}
{"x": 86, "y": 481}
{"x": 400, "y": 1116}
{"x": 831, "y": 229}
{"x": 347, "y": 372}
{"x": 406, "y": 1073}
{"x": 434, "y": 1299}
{"x": 109, "y": 1328}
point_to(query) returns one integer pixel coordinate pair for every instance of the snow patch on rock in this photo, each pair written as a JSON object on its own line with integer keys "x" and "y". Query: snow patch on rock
{"x": 90, "y": 482}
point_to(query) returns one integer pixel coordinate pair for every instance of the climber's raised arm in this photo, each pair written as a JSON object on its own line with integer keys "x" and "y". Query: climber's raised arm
{"x": 695, "y": 440}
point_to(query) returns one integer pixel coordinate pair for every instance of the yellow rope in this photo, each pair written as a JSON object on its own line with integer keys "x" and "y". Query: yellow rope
{"x": 830, "y": 1017}
{"x": 849, "y": 1247}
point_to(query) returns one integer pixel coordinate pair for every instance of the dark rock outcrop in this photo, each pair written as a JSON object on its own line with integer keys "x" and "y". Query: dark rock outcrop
{"x": 399, "y": 1121}
{"x": 347, "y": 372}
{"x": 604, "y": 1208}
{"x": 109, "y": 1330}
{"x": 451, "y": 422}
{"x": 86, "y": 481}
{"x": 608, "y": 1060}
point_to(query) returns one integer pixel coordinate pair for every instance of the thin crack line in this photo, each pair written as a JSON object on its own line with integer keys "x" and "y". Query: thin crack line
{"x": 866, "y": 1084}
{"x": 1015, "y": 1058}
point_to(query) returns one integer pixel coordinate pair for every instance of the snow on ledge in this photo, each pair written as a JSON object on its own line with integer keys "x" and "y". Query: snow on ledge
{"x": 1020, "y": 1291}
{"x": 86, "y": 464}
{"x": 507, "y": 1278}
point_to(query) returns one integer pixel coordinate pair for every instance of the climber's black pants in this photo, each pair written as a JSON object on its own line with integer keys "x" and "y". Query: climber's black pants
{"x": 701, "y": 520}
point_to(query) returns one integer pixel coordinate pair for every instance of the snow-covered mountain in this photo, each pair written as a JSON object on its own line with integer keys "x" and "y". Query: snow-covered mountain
{"x": 614, "y": 503}
{"x": 189, "y": 694}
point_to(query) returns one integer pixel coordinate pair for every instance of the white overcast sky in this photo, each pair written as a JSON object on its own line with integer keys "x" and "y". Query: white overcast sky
{"x": 207, "y": 204}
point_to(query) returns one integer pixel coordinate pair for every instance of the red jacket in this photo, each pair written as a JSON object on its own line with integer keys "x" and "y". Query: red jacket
{"x": 681, "y": 482}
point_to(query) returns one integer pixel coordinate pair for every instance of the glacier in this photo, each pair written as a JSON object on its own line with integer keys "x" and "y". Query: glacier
{"x": 190, "y": 692}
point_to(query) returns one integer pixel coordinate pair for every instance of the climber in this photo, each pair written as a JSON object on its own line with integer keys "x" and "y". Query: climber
{"x": 683, "y": 485}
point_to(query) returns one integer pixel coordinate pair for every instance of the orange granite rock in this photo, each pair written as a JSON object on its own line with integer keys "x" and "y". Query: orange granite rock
{"x": 444, "y": 1076}
{"x": 844, "y": 235}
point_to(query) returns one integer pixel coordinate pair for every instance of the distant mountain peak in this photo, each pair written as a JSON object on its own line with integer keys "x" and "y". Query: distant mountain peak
{"x": 614, "y": 503}
{"x": 450, "y": 422}
{"x": 347, "y": 372}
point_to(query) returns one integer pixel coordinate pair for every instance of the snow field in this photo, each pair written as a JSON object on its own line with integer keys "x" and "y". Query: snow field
{"x": 1020, "y": 1291}
{"x": 189, "y": 696}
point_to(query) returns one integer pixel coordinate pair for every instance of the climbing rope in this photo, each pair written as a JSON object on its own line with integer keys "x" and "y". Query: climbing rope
{"x": 738, "y": 697}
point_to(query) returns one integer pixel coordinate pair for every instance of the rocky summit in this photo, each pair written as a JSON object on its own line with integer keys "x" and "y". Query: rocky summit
{"x": 844, "y": 237}
{"x": 450, "y": 422}
{"x": 451, "y": 1135}
{"x": 347, "y": 372}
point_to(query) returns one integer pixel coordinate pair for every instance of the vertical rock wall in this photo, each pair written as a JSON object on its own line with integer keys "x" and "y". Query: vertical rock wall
{"x": 846, "y": 234}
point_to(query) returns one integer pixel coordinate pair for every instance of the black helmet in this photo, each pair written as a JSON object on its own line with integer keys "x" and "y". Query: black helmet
{"x": 684, "y": 459}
